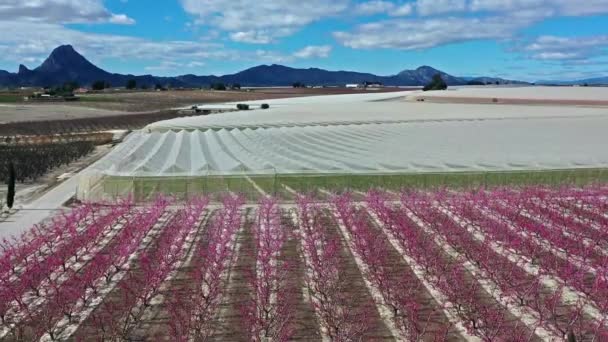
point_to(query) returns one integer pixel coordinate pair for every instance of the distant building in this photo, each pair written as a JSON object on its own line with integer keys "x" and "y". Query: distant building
{"x": 354, "y": 85}
{"x": 81, "y": 91}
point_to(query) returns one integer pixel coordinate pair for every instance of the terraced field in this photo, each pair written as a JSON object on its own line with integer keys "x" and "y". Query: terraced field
{"x": 511, "y": 264}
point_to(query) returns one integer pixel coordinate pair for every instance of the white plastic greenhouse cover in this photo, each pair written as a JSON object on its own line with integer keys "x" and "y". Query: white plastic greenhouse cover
{"x": 302, "y": 115}
{"x": 366, "y": 134}
{"x": 516, "y": 143}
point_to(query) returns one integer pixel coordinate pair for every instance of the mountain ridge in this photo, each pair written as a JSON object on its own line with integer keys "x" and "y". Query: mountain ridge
{"x": 65, "y": 64}
{"x": 587, "y": 81}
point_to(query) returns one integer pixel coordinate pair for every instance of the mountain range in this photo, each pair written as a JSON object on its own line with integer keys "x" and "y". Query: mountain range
{"x": 589, "y": 81}
{"x": 65, "y": 64}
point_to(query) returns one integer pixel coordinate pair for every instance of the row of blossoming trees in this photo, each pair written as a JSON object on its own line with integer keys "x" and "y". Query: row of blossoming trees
{"x": 501, "y": 265}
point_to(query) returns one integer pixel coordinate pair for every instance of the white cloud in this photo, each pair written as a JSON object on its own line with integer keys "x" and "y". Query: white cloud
{"x": 314, "y": 52}
{"x": 433, "y": 7}
{"x": 548, "y": 7}
{"x": 467, "y": 20}
{"x": 415, "y": 34}
{"x": 121, "y": 19}
{"x": 259, "y": 36}
{"x": 252, "y": 37}
{"x": 60, "y": 11}
{"x": 568, "y": 49}
{"x": 270, "y": 19}
{"x": 540, "y": 8}
{"x": 374, "y": 7}
{"x": 402, "y": 10}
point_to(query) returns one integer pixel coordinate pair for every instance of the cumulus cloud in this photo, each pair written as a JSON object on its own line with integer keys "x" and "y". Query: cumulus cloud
{"x": 415, "y": 34}
{"x": 314, "y": 52}
{"x": 567, "y": 49}
{"x": 121, "y": 19}
{"x": 540, "y": 8}
{"x": 263, "y": 36}
{"x": 466, "y": 20}
{"x": 403, "y": 10}
{"x": 432, "y": 7}
{"x": 60, "y": 11}
{"x": 261, "y": 21}
{"x": 544, "y": 7}
{"x": 374, "y": 7}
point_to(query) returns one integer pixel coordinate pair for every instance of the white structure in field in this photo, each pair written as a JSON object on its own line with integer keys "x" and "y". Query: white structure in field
{"x": 356, "y": 134}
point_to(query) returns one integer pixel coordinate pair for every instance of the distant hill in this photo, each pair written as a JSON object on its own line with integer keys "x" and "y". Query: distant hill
{"x": 492, "y": 80}
{"x": 588, "y": 81}
{"x": 65, "y": 64}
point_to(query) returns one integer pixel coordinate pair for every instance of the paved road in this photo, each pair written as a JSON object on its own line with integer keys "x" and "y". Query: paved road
{"x": 38, "y": 210}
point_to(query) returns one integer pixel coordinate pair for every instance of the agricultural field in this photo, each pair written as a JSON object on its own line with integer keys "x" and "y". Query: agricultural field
{"x": 86, "y": 125}
{"x": 506, "y": 264}
{"x": 141, "y": 101}
{"x": 33, "y": 161}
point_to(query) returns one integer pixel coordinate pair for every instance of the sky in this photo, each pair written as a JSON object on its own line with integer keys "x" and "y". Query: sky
{"x": 517, "y": 39}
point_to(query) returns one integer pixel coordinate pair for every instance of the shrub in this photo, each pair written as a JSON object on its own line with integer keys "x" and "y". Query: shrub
{"x": 131, "y": 84}
{"x": 218, "y": 86}
{"x": 100, "y": 85}
{"x": 436, "y": 84}
{"x": 265, "y": 106}
{"x": 242, "y": 106}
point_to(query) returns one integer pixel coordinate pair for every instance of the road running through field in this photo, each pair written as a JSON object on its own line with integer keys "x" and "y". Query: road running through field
{"x": 38, "y": 210}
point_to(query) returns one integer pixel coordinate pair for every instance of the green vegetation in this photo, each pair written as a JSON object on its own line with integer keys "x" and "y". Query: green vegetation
{"x": 436, "y": 84}
{"x": 131, "y": 84}
{"x": 218, "y": 86}
{"x": 101, "y": 85}
{"x": 66, "y": 90}
{"x": 10, "y": 98}
{"x": 299, "y": 85}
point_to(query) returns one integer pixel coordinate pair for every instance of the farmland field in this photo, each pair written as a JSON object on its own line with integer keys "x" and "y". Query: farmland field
{"x": 508, "y": 264}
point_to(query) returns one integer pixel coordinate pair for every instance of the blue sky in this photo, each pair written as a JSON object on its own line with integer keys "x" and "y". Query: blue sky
{"x": 518, "y": 39}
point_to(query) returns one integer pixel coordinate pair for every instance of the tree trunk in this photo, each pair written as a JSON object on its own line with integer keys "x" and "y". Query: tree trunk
{"x": 10, "y": 195}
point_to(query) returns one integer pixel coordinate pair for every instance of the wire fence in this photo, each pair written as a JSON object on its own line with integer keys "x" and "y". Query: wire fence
{"x": 100, "y": 187}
